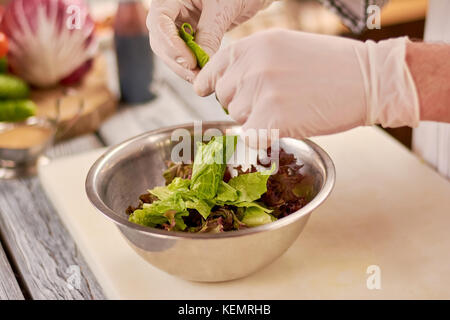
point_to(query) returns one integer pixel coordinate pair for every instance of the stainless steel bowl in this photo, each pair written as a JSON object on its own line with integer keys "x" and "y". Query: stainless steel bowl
{"x": 125, "y": 171}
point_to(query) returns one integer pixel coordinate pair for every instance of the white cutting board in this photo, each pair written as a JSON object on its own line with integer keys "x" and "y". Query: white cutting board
{"x": 388, "y": 209}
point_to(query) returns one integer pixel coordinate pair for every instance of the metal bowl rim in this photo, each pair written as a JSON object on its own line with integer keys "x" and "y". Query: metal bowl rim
{"x": 98, "y": 203}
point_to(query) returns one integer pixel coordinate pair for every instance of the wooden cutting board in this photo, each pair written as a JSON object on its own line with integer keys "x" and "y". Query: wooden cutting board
{"x": 388, "y": 209}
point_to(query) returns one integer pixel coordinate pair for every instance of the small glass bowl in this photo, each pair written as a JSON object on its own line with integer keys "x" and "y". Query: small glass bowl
{"x": 22, "y": 160}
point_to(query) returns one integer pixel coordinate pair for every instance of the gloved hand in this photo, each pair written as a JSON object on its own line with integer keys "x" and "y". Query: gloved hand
{"x": 307, "y": 85}
{"x": 210, "y": 18}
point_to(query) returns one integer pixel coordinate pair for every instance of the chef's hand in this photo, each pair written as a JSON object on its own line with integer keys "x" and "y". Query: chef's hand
{"x": 307, "y": 85}
{"x": 210, "y": 18}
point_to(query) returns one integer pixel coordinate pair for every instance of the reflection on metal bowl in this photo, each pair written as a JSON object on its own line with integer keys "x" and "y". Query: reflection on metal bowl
{"x": 128, "y": 169}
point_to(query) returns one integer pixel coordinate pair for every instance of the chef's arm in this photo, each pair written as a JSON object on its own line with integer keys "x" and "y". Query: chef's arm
{"x": 430, "y": 68}
{"x": 428, "y": 63}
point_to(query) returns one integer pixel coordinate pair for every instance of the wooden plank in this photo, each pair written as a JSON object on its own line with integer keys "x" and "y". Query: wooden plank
{"x": 9, "y": 288}
{"x": 46, "y": 256}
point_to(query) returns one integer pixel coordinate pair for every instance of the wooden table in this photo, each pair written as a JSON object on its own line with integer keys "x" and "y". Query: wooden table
{"x": 37, "y": 253}
{"x": 36, "y": 250}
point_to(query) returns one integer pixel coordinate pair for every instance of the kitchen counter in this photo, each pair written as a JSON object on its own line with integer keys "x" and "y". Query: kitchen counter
{"x": 389, "y": 213}
{"x": 39, "y": 255}
{"x": 39, "y": 250}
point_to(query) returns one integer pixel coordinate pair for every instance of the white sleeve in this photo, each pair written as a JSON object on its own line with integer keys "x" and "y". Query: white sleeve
{"x": 353, "y": 12}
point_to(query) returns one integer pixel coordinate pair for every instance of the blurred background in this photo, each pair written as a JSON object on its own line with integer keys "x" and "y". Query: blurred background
{"x": 107, "y": 82}
{"x": 79, "y": 75}
{"x": 399, "y": 18}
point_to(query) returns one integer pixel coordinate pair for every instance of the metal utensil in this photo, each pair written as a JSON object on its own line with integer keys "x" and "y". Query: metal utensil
{"x": 125, "y": 171}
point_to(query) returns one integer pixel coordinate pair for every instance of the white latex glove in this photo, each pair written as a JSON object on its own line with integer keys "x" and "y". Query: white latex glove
{"x": 308, "y": 85}
{"x": 209, "y": 18}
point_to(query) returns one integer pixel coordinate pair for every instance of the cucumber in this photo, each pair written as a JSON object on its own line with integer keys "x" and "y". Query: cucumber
{"x": 3, "y": 65}
{"x": 12, "y": 87}
{"x": 16, "y": 110}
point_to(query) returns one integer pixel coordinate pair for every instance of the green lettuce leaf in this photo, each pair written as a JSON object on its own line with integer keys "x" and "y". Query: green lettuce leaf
{"x": 175, "y": 203}
{"x": 188, "y": 35}
{"x": 147, "y": 217}
{"x": 255, "y": 216}
{"x": 207, "y": 190}
{"x": 162, "y": 193}
{"x": 246, "y": 204}
{"x": 154, "y": 213}
{"x": 226, "y": 193}
{"x": 210, "y": 164}
{"x": 179, "y": 222}
{"x": 251, "y": 186}
{"x": 202, "y": 206}
{"x": 178, "y": 185}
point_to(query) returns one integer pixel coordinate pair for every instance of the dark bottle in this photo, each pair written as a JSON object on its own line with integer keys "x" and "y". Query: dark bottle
{"x": 134, "y": 57}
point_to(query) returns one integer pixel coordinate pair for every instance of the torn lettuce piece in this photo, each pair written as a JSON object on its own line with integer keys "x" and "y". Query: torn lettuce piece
{"x": 226, "y": 193}
{"x": 188, "y": 35}
{"x": 202, "y": 206}
{"x": 255, "y": 216}
{"x": 162, "y": 193}
{"x": 251, "y": 186}
{"x": 179, "y": 222}
{"x": 246, "y": 204}
{"x": 154, "y": 214}
{"x": 221, "y": 206}
{"x": 210, "y": 164}
{"x": 175, "y": 202}
{"x": 147, "y": 217}
{"x": 178, "y": 185}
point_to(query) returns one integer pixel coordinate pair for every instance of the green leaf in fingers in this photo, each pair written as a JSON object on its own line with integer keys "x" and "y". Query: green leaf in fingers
{"x": 188, "y": 35}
